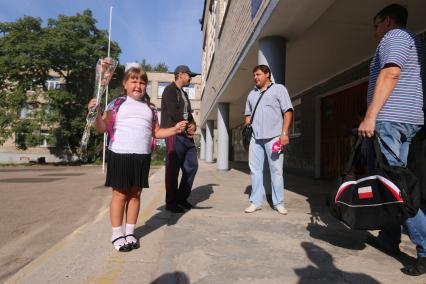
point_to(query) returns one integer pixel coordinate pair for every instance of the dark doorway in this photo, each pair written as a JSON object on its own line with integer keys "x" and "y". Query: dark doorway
{"x": 340, "y": 112}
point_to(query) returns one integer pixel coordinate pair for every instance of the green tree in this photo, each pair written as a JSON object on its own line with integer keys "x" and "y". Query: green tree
{"x": 22, "y": 54}
{"x": 22, "y": 67}
{"x": 69, "y": 46}
{"x": 160, "y": 67}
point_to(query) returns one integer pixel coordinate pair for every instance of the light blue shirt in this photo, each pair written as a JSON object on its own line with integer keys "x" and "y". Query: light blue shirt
{"x": 268, "y": 119}
{"x": 403, "y": 48}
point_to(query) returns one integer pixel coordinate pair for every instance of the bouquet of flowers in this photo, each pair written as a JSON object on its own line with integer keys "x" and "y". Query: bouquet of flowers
{"x": 104, "y": 70}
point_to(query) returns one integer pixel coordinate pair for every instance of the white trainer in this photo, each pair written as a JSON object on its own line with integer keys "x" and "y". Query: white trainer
{"x": 280, "y": 208}
{"x": 252, "y": 208}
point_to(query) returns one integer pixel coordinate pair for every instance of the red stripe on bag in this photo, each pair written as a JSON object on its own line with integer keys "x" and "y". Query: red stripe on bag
{"x": 392, "y": 190}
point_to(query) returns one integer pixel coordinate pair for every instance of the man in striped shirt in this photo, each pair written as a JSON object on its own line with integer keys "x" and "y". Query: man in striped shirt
{"x": 395, "y": 101}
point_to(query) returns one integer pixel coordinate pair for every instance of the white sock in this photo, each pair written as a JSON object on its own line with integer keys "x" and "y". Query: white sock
{"x": 116, "y": 233}
{"x": 130, "y": 230}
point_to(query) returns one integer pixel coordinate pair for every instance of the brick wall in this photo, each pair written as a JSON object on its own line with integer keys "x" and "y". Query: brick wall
{"x": 238, "y": 26}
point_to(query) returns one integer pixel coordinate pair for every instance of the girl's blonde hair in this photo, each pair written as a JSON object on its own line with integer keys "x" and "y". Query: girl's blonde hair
{"x": 137, "y": 73}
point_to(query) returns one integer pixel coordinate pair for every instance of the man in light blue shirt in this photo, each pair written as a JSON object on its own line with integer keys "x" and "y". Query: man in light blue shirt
{"x": 395, "y": 98}
{"x": 270, "y": 124}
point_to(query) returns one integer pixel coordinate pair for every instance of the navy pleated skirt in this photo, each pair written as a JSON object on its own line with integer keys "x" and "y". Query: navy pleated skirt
{"x": 127, "y": 170}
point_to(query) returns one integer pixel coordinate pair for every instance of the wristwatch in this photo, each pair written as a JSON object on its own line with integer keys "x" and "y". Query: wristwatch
{"x": 284, "y": 133}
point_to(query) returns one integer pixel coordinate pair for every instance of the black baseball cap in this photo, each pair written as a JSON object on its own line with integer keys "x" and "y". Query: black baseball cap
{"x": 185, "y": 69}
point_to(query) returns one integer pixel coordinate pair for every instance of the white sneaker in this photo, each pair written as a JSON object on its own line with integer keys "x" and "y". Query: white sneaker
{"x": 280, "y": 208}
{"x": 252, "y": 208}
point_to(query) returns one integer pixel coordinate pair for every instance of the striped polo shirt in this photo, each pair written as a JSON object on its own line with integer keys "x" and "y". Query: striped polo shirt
{"x": 403, "y": 48}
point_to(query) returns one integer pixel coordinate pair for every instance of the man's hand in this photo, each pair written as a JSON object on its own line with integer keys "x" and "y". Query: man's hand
{"x": 284, "y": 139}
{"x": 180, "y": 126}
{"x": 190, "y": 131}
{"x": 366, "y": 128}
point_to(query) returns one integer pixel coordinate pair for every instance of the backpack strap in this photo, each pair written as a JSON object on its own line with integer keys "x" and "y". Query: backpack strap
{"x": 154, "y": 120}
{"x": 117, "y": 103}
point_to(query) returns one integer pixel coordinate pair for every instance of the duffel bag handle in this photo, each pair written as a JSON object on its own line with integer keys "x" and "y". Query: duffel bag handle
{"x": 354, "y": 154}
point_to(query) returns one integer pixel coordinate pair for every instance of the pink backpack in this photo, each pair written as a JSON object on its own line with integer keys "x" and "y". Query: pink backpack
{"x": 117, "y": 103}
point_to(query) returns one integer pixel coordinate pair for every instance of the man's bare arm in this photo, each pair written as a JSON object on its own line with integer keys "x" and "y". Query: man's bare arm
{"x": 386, "y": 82}
{"x": 287, "y": 120}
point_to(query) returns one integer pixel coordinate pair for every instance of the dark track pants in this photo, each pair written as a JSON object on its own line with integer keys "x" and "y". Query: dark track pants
{"x": 181, "y": 155}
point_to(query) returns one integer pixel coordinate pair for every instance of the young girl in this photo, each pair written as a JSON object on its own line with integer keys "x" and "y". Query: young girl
{"x": 131, "y": 123}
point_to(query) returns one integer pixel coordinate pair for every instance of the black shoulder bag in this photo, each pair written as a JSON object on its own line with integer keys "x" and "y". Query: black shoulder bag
{"x": 385, "y": 196}
{"x": 247, "y": 131}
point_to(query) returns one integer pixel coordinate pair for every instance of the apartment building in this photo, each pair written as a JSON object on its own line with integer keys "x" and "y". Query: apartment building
{"x": 42, "y": 153}
{"x": 320, "y": 50}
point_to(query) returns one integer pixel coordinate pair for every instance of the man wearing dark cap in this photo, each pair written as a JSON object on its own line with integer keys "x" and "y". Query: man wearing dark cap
{"x": 181, "y": 151}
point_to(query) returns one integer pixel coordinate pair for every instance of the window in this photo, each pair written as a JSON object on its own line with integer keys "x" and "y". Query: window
{"x": 297, "y": 118}
{"x": 255, "y": 5}
{"x": 26, "y": 111}
{"x": 53, "y": 83}
{"x": 149, "y": 88}
{"x": 160, "y": 89}
{"x": 45, "y": 135}
{"x": 223, "y": 9}
{"x": 208, "y": 52}
{"x": 190, "y": 90}
{"x": 47, "y": 109}
{"x": 211, "y": 46}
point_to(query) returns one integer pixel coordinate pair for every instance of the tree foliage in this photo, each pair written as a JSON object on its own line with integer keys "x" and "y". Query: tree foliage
{"x": 160, "y": 67}
{"x": 68, "y": 46}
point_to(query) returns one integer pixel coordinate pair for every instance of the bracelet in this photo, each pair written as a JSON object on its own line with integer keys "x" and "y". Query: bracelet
{"x": 284, "y": 133}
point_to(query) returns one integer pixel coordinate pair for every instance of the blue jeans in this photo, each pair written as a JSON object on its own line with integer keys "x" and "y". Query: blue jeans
{"x": 398, "y": 137}
{"x": 258, "y": 150}
{"x": 181, "y": 155}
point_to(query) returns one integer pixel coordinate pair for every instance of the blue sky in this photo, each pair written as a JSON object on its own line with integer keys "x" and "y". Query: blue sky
{"x": 157, "y": 30}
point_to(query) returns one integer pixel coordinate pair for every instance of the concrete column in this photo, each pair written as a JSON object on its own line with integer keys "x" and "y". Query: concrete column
{"x": 203, "y": 144}
{"x": 209, "y": 141}
{"x": 272, "y": 52}
{"x": 223, "y": 136}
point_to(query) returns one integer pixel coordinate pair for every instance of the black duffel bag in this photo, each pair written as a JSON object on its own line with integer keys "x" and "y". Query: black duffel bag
{"x": 386, "y": 196}
{"x": 246, "y": 134}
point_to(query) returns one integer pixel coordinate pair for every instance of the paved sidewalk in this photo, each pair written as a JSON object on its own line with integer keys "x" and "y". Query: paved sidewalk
{"x": 218, "y": 243}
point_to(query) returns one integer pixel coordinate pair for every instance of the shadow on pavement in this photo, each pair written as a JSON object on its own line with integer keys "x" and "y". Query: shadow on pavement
{"x": 29, "y": 180}
{"x": 165, "y": 218}
{"x": 176, "y": 277}
{"x": 402, "y": 257}
{"x": 243, "y": 167}
{"x": 325, "y": 271}
{"x": 322, "y": 225}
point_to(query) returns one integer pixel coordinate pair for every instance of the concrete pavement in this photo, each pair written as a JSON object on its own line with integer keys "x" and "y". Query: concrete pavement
{"x": 218, "y": 243}
{"x": 40, "y": 205}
